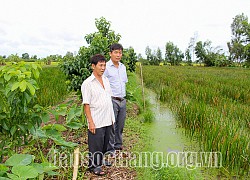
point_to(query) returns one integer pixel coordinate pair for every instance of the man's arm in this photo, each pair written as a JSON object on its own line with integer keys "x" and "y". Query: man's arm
{"x": 89, "y": 118}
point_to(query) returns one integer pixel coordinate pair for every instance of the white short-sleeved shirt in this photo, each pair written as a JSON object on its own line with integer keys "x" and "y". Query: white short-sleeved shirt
{"x": 99, "y": 100}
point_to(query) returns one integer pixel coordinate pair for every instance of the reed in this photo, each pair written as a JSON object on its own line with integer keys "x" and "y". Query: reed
{"x": 213, "y": 104}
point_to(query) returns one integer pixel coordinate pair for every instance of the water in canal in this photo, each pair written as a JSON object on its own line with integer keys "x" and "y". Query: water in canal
{"x": 167, "y": 137}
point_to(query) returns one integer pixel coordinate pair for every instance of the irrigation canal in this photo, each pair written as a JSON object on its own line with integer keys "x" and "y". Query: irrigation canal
{"x": 167, "y": 137}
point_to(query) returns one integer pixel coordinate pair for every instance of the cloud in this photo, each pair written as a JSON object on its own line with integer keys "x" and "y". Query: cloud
{"x": 45, "y": 27}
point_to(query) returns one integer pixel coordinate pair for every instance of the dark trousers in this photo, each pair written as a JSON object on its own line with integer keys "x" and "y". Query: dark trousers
{"x": 115, "y": 141}
{"x": 98, "y": 143}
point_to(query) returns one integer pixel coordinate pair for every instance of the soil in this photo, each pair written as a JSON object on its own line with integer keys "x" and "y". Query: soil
{"x": 80, "y": 137}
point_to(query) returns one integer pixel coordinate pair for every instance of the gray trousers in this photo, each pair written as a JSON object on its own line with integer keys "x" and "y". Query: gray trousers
{"x": 115, "y": 141}
{"x": 98, "y": 143}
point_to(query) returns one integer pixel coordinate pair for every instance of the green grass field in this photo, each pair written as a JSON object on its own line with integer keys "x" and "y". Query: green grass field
{"x": 213, "y": 104}
{"x": 52, "y": 86}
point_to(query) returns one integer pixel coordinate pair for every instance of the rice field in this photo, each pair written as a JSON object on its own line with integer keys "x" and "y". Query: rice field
{"x": 52, "y": 86}
{"x": 212, "y": 104}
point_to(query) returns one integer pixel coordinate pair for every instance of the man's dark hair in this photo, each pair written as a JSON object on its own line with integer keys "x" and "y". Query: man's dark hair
{"x": 115, "y": 46}
{"x": 97, "y": 58}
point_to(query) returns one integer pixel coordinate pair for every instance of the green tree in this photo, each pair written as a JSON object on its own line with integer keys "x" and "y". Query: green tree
{"x": 18, "y": 112}
{"x": 2, "y": 60}
{"x": 209, "y": 55}
{"x": 159, "y": 55}
{"x": 34, "y": 57}
{"x": 240, "y": 38}
{"x": 98, "y": 42}
{"x": 129, "y": 56}
{"x": 200, "y": 51}
{"x": 173, "y": 54}
{"x": 25, "y": 56}
{"x": 14, "y": 58}
{"x": 188, "y": 57}
{"x": 148, "y": 53}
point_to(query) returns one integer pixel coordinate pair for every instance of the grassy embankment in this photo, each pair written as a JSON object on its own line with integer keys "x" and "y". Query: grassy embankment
{"x": 213, "y": 105}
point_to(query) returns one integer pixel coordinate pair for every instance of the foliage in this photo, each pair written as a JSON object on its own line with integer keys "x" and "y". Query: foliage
{"x": 14, "y": 58}
{"x": 188, "y": 57}
{"x": 238, "y": 47}
{"x": 155, "y": 57}
{"x": 129, "y": 56}
{"x": 22, "y": 167}
{"x": 52, "y": 86}
{"x": 25, "y": 56}
{"x": 2, "y": 61}
{"x": 78, "y": 69}
{"x": 159, "y": 55}
{"x": 173, "y": 54}
{"x": 18, "y": 112}
{"x": 148, "y": 53}
{"x": 210, "y": 56}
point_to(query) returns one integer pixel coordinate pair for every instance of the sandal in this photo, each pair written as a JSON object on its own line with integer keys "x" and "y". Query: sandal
{"x": 98, "y": 171}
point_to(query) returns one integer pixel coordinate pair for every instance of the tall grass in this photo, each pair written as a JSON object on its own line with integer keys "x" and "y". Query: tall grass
{"x": 213, "y": 104}
{"x": 139, "y": 127}
{"x": 52, "y": 86}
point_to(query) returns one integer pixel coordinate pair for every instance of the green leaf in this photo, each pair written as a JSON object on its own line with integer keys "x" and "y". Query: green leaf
{"x": 22, "y": 128}
{"x": 7, "y": 77}
{"x": 23, "y": 85}
{"x": 45, "y": 117}
{"x": 78, "y": 111}
{"x": 34, "y": 66}
{"x": 41, "y": 176}
{"x": 59, "y": 127}
{"x": 38, "y": 133}
{"x": 13, "y": 130}
{"x": 5, "y": 126}
{"x": 38, "y": 167}
{"x": 44, "y": 167}
{"x": 35, "y": 73}
{"x": 53, "y": 173}
{"x": 52, "y": 132}
{"x": 24, "y": 171}
{"x": 74, "y": 125}
{"x": 31, "y": 88}
{"x": 15, "y": 86}
{"x": 70, "y": 115}
{"x": 3, "y": 168}
{"x": 19, "y": 159}
{"x": 4, "y": 178}
{"x": 28, "y": 74}
{"x": 60, "y": 141}
{"x": 62, "y": 111}
{"x": 14, "y": 177}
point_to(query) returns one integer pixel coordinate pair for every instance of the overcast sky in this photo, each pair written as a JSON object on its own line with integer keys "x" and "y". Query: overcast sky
{"x": 45, "y": 27}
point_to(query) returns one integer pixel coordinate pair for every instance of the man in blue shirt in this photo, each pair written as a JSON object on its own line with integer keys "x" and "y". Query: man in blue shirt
{"x": 117, "y": 75}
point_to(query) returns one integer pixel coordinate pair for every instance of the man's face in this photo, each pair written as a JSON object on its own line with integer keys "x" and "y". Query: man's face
{"x": 116, "y": 55}
{"x": 99, "y": 68}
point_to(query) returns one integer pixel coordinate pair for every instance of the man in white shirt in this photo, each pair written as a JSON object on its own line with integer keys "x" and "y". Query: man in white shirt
{"x": 96, "y": 99}
{"x": 117, "y": 75}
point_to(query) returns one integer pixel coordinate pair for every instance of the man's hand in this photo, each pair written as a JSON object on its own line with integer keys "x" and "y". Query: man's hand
{"x": 89, "y": 117}
{"x": 92, "y": 127}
